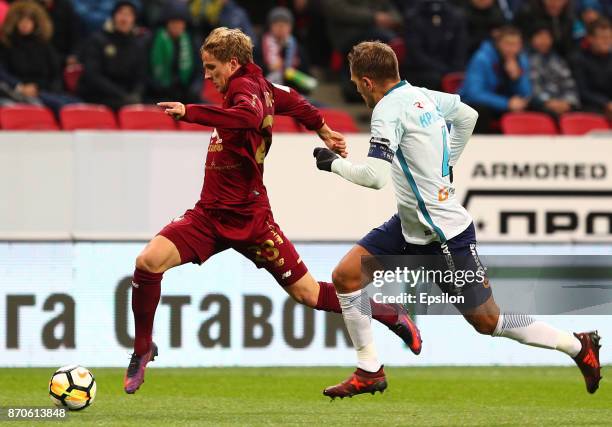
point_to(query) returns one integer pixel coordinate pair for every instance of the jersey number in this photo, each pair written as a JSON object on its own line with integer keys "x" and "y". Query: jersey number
{"x": 445, "y": 153}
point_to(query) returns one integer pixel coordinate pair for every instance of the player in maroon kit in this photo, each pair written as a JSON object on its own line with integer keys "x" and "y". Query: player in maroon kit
{"x": 233, "y": 210}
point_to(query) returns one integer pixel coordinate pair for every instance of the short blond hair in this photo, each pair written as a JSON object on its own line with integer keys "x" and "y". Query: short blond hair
{"x": 225, "y": 43}
{"x": 374, "y": 59}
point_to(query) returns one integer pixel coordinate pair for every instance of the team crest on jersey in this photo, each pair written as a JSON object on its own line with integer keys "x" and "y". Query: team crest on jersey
{"x": 216, "y": 143}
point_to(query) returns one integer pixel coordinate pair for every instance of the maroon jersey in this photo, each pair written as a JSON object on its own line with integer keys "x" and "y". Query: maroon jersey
{"x": 242, "y": 136}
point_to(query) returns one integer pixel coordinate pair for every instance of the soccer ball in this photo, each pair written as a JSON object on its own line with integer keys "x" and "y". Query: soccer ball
{"x": 72, "y": 387}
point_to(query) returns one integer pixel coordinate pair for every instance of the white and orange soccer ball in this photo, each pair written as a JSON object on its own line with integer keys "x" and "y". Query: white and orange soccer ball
{"x": 72, "y": 387}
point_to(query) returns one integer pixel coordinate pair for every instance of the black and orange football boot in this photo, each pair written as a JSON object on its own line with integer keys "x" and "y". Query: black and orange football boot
{"x": 588, "y": 359}
{"x": 134, "y": 376}
{"x": 359, "y": 382}
{"x": 407, "y": 330}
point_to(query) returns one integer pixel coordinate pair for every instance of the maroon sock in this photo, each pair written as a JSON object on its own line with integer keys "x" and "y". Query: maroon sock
{"x": 384, "y": 313}
{"x": 328, "y": 301}
{"x": 146, "y": 289}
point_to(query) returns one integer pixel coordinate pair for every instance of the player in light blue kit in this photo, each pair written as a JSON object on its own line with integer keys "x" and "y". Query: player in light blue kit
{"x": 410, "y": 140}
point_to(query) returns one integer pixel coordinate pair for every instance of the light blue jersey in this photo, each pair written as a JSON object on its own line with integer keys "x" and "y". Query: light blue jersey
{"x": 409, "y": 126}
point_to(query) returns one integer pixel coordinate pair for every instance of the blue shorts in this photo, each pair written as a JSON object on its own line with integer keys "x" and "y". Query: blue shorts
{"x": 456, "y": 253}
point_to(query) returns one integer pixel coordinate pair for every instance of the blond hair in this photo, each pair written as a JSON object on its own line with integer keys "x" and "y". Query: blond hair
{"x": 43, "y": 27}
{"x": 375, "y": 60}
{"x": 225, "y": 43}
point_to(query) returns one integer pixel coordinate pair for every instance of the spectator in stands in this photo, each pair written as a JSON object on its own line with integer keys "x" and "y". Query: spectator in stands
{"x": 115, "y": 61}
{"x": 352, "y": 21}
{"x": 209, "y": 14}
{"x": 559, "y": 14}
{"x": 32, "y": 70}
{"x": 94, "y": 13}
{"x": 481, "y": 18}
{"x": 593, "y": 69}
{"x": 309, "y": 20}
{"x": 589, "y": 11}
{"x": 554, "y": 89}
{"x": 65, "y": 29}
{"x": 497, "y": 78}
{"x": 153, "y": 12}
{"x": 176, "y": 71}
{"x": 257, "y": 11}
{"x": 280, "y": 49}
{"x": 436, "y": 42}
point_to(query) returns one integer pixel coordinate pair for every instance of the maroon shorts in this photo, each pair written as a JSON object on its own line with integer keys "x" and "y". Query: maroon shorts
{"x": 201, "y": 233}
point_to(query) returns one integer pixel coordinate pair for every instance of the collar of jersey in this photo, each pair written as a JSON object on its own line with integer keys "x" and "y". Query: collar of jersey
{"x": 400, "y": 84}
{"x": 244, "y": 70}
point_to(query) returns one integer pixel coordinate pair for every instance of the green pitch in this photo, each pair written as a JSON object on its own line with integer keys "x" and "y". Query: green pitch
{"x": 292, "y": 396}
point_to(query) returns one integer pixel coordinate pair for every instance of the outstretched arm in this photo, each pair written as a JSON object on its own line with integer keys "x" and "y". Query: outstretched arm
{"x": 246, "y": 113}
{"x": 373, "y": 174}
{"x": 387, "y": 131}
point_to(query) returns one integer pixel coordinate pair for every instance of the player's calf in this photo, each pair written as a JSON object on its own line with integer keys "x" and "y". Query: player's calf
{"x": 305, "y": 291}
{"x": 483, "y": 324}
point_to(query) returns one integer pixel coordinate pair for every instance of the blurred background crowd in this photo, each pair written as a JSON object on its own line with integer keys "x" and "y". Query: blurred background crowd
{"x": 551, "y": 56}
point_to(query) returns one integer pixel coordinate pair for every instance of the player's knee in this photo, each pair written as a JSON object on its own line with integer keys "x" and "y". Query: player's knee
{"x": 341, "y": 279}
{"x": 484, "y": 325}
{"x": 146, "y": 262}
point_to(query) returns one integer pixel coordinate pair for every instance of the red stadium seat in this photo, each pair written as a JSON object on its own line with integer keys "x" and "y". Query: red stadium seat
{"x": 339, "y": 120}
{"x": 193, "y": 127}
{"x": 451, "y": 82}
{"x": 145, "y": 117}
{"x": 87, "y": 116}
{"x": 211, "y": 94}
{"x": 285, "y": 124}
{"x": 582, "y": 123}
{"x": 27, "y": 117}
{"x": 528, "y": 124}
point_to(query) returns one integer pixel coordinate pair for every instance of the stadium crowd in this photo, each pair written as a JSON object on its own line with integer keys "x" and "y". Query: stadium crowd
{"x": 552, "y": 56}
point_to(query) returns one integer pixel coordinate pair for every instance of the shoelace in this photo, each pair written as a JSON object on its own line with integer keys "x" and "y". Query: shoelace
{"x": 133, "y": 366}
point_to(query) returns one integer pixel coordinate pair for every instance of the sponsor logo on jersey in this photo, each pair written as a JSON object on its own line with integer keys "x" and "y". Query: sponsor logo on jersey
{"x": 269, "y": 99}
{"x": 286, "y": 274}
{"x": 216, "y": 143}
{"x": 443, "y": 194}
